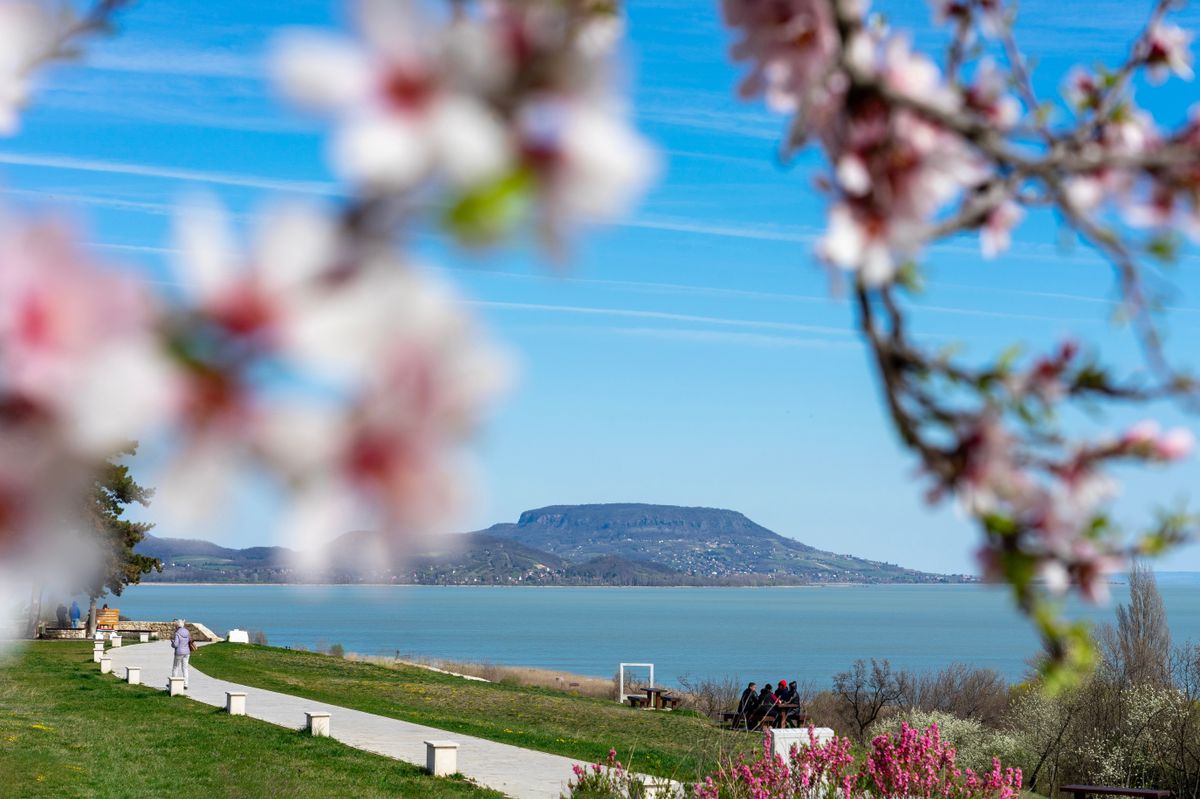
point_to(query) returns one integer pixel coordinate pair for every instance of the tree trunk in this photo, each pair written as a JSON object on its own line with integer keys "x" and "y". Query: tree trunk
{"x": 35, "y": 610}
{"x": 91, "y": 622}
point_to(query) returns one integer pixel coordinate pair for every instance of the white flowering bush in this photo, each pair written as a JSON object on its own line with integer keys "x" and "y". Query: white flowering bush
{"x": 974, "y": 744}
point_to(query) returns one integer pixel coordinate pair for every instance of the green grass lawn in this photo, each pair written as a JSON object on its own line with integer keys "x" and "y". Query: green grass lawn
{"x": 68, "y": 731}
{"x": 678, "y": 745}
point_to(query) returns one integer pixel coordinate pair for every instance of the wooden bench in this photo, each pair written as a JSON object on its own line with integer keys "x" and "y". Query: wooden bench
{"x": 670, "y": 702}
{"x": 1080, "y": 791}
{"x": 735, "y": 721}
{"x": 108, "y": 619}
{"x": 637, "y": 701}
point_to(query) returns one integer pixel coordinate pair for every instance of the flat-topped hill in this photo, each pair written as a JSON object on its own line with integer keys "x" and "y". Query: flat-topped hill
{"x": 698, "y": 542}
{"x": 603, "y": 544}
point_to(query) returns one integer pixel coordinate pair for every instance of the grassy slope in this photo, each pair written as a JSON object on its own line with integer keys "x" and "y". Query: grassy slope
{"x": 68, "y": 731}
{"x": 668, "y": 744}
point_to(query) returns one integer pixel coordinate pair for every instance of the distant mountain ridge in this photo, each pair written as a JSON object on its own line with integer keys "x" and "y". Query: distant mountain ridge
{"x": 699, "y": 542}
{"x": 606, "y": 544}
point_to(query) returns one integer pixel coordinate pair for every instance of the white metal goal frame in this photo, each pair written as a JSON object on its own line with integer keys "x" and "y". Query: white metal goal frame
{"x": 621, "y": 695}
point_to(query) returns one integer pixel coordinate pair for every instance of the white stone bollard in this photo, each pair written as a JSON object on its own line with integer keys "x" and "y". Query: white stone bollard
{"x": 441, "y": 757}
{"x": 176, "y": 685}
{"x": 133, "y": 675}
{"x": 97, "y": 652}
{"x": 783, "y": 740}
{"x": 105, "y": 665}
{"x": 235, "y": 703}
{"x": 143, "y": 637}
{"x": 116, "y": 640}
{"x": 237, "y": 636}
{"x": 99, "y": 636}
{"x": 318, "y": 723}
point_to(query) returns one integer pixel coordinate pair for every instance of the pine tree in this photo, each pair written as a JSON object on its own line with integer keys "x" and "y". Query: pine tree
{"x": 113, "y": 490}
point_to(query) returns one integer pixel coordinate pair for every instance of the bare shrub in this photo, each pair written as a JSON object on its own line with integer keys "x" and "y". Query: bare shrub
{"x": 710, "y": 696}
{"x": 867, "y": 694}
{"x": 968, "y": 692}
{"x": 1185, "y": 668}
{"x": 824, "y": 709}
{"x": 258, "y": 638}
{"x": 337, "y": 651}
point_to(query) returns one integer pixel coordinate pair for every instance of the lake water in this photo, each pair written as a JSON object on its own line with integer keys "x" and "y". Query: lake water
{"x": 750, "y": 633}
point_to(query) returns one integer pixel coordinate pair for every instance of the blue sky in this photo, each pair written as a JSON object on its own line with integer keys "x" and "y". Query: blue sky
{"x": 692, "y": 353}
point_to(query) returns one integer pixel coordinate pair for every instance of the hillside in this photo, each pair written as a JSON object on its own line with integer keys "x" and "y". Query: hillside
{"x": 619, "y": 544}
{"x": 707, "y": 543}
{"x": 192, "y": 560}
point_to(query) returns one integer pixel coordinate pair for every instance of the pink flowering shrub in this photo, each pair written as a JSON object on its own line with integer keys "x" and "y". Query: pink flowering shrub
{"x": 914, "y": 763}
{"x": 605, "y": 780}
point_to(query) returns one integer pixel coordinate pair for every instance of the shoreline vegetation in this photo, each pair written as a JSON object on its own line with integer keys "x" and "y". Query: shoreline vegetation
{"x": 524, "y": 676}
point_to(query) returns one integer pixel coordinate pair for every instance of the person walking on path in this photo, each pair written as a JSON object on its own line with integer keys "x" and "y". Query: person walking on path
{"x": 181, "y": 644}
{"x": 75, "y": 614}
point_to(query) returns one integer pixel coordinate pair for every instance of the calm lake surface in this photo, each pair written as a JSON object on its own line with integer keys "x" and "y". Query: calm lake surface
{"x": 750, "y": 633}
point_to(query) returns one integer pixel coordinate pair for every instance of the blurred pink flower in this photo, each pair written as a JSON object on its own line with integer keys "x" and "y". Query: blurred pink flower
{"x": 791, "y": 46}
{"x": 1168, "y": 49}
{"x": 996, "y": 234}
{"x": 517, "y": 89}
{"x": 1175, "y": 444}
{"x": 345, "y": 370}
{"x": 27, "y": 36}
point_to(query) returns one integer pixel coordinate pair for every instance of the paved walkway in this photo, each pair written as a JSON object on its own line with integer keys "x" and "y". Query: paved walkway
{"x": 520, "y": 773}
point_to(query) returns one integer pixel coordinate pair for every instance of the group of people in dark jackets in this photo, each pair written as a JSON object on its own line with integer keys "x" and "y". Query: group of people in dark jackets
{"x": 770, "y": 707}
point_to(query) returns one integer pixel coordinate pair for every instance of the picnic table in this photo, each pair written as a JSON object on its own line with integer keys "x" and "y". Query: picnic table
{"x": 1079, "y": 791}
{"x": 655, "y": 698}
{"x": 742, "y": 721}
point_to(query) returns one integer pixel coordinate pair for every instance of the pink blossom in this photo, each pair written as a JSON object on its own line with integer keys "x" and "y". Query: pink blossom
{"x": 791, "y": 46}
{"x": 27, "y": 36}
{"x": 409, "y": 373}
{"x": 987, "y": 95}
{"x": 1175, "y": 444}
{"x": 518, "y": 96}
{"x": 1091, "y": 568}
{"x": 1144, "y": 433}
{"x": 404, "y": 116}
{"x": 1166, "y": 50}
{"x": 996, "y": 234}
{"x": 1082, "y": 90}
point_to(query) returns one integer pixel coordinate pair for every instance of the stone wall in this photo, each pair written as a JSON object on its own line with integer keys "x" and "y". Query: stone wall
{"x": 165, "y": 629}
{"x": 63, "y": 633}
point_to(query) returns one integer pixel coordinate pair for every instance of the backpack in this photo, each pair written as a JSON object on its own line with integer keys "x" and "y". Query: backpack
{"x": 191, "y": 645}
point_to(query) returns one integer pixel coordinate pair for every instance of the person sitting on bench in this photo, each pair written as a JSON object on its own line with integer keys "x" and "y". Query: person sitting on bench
{"x": 746, "y": 706}
{"x": 767, "y": 712}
